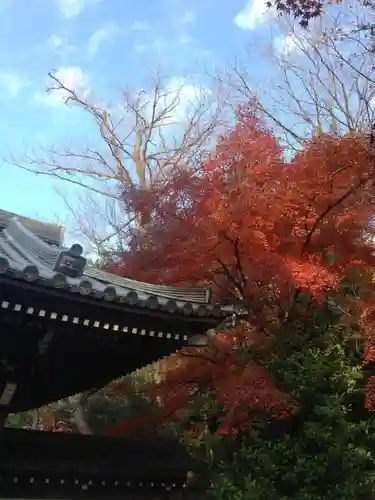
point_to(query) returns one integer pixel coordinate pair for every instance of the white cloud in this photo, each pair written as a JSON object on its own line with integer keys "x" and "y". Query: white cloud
{"x": 140, "y": 47}
{"x": 140, "y": 26}
{"x": 180, "y": 97}
{"x": 188, "y": 17}
{"x": 73, "y": 8}
{"x": 101, "y": 35}
{"x": 12, "y": 84}
{"x": 176, "y": 102}
{"x": 188, "y": 95}
{"x": 157, "y": 47}
{"x": 73, "y": 78}
{"x": 54, "y": 42}
{"x": 297, "y": 42}
{"x": 58, "y": 45}
{"x": 286, "y": 45}
{"x": 254, "y": 14}
{"x": 185, "y": 40}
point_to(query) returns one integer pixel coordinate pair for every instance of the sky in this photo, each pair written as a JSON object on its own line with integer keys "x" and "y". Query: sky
{"x": 98, "y": 45}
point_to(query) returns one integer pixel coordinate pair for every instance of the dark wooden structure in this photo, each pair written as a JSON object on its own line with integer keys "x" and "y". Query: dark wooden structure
{"x": 56, "y": 465}
{"x": 67, "y": 327}
{"x": 61, "y": 335}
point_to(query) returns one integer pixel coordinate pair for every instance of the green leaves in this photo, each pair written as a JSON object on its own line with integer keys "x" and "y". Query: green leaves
{"x": 325, "y": 451}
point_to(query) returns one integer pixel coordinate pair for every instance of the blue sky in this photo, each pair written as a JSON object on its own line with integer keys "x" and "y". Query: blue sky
{"x": 104, "y": 44}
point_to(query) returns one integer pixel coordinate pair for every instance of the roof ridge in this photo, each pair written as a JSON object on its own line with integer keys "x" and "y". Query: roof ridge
{"x": 47, "y": 231}
{"x": 10, "y": 215}
{"x": 196, "y": 294}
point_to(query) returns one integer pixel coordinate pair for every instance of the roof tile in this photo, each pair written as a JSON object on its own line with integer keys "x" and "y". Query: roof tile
{"x": 25, "y": 255}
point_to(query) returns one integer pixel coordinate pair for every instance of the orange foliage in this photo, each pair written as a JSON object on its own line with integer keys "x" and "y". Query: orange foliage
{"x": 251, "y": 215}
{"x": 212, "y": 368}
{"x": 256, "y": 227}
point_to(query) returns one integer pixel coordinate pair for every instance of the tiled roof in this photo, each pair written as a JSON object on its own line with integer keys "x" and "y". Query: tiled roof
{"x": 51, "y": 233}
{"x": 24, "y": 255}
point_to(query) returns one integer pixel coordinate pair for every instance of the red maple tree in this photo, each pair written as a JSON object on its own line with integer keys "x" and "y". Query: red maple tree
{"x": 256, "y": 228}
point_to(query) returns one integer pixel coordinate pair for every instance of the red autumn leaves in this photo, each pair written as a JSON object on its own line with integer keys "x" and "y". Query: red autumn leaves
{"x": 255, "y": 226}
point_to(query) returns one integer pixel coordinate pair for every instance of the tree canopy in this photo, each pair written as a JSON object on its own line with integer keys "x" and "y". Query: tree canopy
{"x": 289, "y": 243}
{"x": 255, "y": 225}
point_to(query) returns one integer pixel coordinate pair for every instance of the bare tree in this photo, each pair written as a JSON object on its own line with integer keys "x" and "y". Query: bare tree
{"x": 138, "y": 141}
{"x": 321, "y": 78}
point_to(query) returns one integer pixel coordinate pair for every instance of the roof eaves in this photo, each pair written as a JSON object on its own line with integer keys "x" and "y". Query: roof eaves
{"x": 24, "y": 255}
